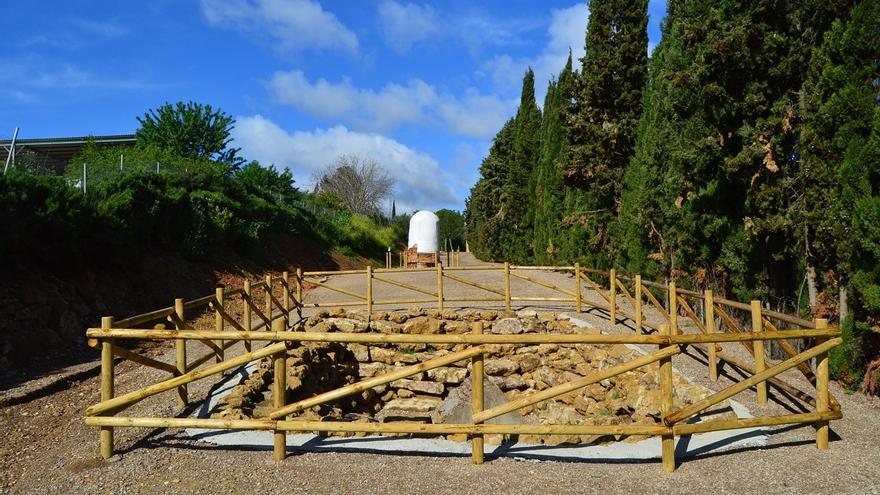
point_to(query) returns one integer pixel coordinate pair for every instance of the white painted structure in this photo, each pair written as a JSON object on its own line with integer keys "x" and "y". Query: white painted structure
{"x": 424, "y": 229}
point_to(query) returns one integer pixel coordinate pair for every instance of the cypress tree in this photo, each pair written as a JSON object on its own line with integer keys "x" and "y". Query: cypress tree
{"x": 716, "y": 149}
{"x": 515, "y": 229}
{"x": 841, "y": 174}
{"x": 607, "y": 103}
{"x": 547, "y": 191}
{"x": 483, "y": 208}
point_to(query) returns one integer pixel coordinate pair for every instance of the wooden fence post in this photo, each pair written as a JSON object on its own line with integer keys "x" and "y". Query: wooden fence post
{"x": 440, "y": 287}
{"x": 709, "y": 314}
{"x": 369, "y": 290}
{"x": 477, "y": 454}
{"x": 285, "y": 286}
{"x": 246, "y": 313}
{"x": 667, "y": 404}
{"x": 106, "y": 385}
{"x": 672, "y": 297}
{"x": 268, "y": 302}
{"x": 822, "y": 390}
{"x": 279, "y": 392}
{"x": 760, "y": 365}
{"x": 507, "y": 286}
{"x": 577, "y": 286}
{"x": 180, "y": 351}
{"x": 447, "y": 258}
{"x": 218, "y": 318}
{"x": 612, "y": 295}
{"x": 637, "y": 295}
{"x": 299, "y": 292}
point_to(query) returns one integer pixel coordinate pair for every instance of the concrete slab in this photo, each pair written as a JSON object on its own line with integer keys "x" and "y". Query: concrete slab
{"x": 688, "y": 446}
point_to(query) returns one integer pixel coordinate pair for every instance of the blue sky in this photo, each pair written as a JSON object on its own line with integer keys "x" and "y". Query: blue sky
{"x": 420, "y": 87}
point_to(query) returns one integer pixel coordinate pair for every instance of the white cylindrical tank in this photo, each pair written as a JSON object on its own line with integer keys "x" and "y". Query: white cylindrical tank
{"x": 424, "y": 229}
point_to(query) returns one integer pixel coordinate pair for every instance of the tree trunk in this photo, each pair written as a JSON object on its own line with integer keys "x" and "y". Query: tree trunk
{"x": 843, "y": 306}
{"x": 812, "y": 292}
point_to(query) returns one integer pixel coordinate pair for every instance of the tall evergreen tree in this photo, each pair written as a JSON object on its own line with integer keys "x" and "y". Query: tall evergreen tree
{"x": 515, "y": 229}
{"x": 607, "y": 103}
{"x": 841, "y": 173}
{"x": 547, "y": 192}
{"x": 483, "y": 207}
{"x": 716, "y": 148}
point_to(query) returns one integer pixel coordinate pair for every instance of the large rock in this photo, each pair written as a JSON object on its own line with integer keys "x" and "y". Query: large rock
{"x": 456, "y": 408}
{"x": 448, "y": 375}
{"x": 423, "y": 325}
{"x": 507, "y": 326}
{"x": 418, "y": 408}
{"x": 348, "y": 325}
{"x": 430, "y": 388}
{"x": 366, "y": 370}
{"x": 501, "y": 367}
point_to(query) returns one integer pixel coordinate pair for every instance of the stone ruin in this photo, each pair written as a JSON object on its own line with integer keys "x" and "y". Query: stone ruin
{"x": 442, "y": 395}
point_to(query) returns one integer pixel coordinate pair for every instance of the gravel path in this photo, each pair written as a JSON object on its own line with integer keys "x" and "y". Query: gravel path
{"x": 47, "y": 449}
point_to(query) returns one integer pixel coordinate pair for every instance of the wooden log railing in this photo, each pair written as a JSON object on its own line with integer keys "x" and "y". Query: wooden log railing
{"x": 268, "y": 306}
{"x": 104, "y": 413}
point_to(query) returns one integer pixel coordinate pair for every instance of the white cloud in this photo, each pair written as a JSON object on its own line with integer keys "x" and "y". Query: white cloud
{"x": 416, "y": 102}
{"x": 420, "y": 181}
{"x": 295, "y": 24}
{"x": 406, "y": 24}
{"x": 475, "y": 115}
{"x": 36, "y": 73}
{"x": 567, "y": 30}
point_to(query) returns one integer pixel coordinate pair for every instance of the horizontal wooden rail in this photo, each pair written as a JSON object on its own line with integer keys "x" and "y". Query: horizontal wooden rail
{"x": 202, "y": 301}
{"x": 733, "y": 424}
{"x": 333, "y": 272}
{"x": 147, "y": 317}
{"x": 401, "y": 338}
{"x": 390, "y": 427}
{"x": 545, "y": 267}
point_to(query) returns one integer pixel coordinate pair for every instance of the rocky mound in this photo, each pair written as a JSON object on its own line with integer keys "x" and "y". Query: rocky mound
{"x": 437, "y": 395}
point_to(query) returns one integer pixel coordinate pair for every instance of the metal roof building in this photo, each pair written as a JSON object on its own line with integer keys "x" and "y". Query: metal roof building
{"x": 57, "y": 151}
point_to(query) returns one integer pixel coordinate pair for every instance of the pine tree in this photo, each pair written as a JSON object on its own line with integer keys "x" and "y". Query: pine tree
{"x": 602, "y": 121}
{"x": 515, "y": 229}
{"x": 547, "y": 191}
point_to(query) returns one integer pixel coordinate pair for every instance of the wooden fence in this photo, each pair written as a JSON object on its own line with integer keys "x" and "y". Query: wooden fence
{"x": 279, "y": 321}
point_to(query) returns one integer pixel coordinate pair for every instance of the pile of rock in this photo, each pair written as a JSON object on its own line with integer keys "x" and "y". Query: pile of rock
{"x": 442, "y": 394}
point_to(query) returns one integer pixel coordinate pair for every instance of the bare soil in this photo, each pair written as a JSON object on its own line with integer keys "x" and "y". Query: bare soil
{"x": 47, "y": 449}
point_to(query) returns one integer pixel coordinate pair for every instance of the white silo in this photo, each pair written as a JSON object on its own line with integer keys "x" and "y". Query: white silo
{"x": 424, "y": 229}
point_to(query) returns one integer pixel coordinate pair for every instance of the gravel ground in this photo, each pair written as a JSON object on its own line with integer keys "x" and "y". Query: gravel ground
{"x": 47, "y": 449}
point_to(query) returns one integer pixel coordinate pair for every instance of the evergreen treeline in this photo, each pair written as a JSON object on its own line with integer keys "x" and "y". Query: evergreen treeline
{"x": 743, "y": 156}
